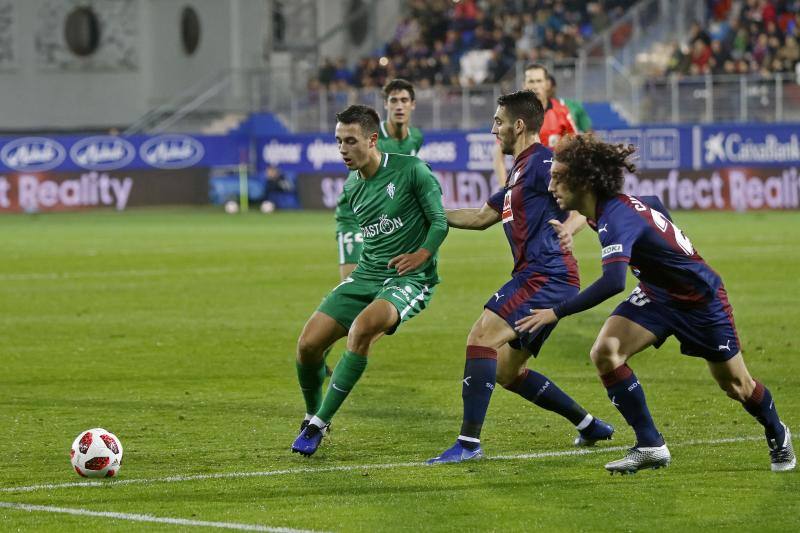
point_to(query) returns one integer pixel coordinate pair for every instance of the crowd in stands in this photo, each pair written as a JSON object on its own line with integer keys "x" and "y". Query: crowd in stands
{"x": 467, "y": 42}
{"x": 742, "y": 37}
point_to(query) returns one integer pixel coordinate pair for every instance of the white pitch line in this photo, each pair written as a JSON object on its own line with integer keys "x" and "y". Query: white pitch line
{"x": 148, "y": 518}
{"x": 347, "y": 468}
{"x": 33, "y": 276}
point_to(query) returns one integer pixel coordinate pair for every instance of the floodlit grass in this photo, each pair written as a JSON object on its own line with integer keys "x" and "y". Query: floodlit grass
{"x": 175, "y": 329}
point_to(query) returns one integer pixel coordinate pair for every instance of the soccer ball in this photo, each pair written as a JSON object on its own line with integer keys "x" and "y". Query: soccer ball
{"x": 267, "y": 207}
{"x": 96, "y": 453}
{"x": 231, "y": 207}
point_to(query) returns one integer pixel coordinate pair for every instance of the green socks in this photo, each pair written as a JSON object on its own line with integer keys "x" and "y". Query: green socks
{"x": 346, "y": 374}
{"x": 310, "y": 378}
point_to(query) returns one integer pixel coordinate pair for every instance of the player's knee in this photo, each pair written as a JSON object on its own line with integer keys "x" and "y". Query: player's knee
{"x": 308, "y": 350}
{"x": 362, "y": 333}
{"x": 507, "y": 375}
{"x": 359, "y": 340}
{"x": 737, "y": 389}
{"x": 479, "y": 336}
{"x": 604, "y": 355}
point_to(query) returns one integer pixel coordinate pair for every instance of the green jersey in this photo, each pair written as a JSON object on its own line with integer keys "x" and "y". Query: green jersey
{"x": 345, "y": 219}
{"x": 410, "y": 145}
{"x": 399, "y": 210}
{"x": 579, "y": 115}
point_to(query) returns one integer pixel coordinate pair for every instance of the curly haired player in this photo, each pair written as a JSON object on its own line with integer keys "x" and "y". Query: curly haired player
{"x": 678, "y": 294}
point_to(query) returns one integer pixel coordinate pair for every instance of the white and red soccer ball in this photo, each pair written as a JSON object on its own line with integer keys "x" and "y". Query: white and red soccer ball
{"x": 96, "y": 453}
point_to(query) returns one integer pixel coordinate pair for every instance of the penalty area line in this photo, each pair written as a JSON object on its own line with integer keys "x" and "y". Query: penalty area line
{"x": 349, "y": 468}
{"x": 147, "y": 518}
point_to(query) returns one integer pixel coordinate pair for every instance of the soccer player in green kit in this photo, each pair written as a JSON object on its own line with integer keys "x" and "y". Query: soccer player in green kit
{"x": 395, "y": 136}
{"x": 397, "y": 202}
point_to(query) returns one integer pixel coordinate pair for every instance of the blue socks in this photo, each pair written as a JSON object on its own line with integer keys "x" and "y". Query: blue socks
{"x": 538, "y": 389}
{"x": 476, "y": 392}
{"x": 626, "y": 394}
{"x": 761, "y": 406}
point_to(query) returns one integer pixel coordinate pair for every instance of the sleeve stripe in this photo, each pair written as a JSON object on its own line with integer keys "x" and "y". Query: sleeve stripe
{"x": 339, "y": 237}
{"x": 618, "y": 259}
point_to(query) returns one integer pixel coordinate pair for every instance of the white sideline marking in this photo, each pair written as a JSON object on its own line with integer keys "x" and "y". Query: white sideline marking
{"x": 32, "y": 276}
{"x": 348, "y": 468}
{"x": 147, "y": 518}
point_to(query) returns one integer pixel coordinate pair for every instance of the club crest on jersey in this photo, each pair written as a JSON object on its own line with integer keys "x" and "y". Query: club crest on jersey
{"x": 390, "y": 190}
{"x": 508, "y": 214}
{"x": 514, "y": 178}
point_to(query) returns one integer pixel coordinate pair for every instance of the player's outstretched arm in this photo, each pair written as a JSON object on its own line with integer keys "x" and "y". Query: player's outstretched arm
{"x": 429, "y": 195}
{"x": 575, "y": 222}
{"x": 610, "y": 283}
{"x": 472, "y": 218}
{"x": 565, "y": 230}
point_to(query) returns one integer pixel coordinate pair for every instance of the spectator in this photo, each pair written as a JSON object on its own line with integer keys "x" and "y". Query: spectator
{"x": 678, "y": 62}
{"x": 326, "y": 72}
{"x": 718, "y": 57}
{"x": 761, "y": 50}
{"x": 277, "y": 182}
{"x": 342, "y": 73}
{"x": 741, "y": 43}
{"x": 789, "y": 54}
{"x": 701, "y": 55}
{"x": 598, "y": 16}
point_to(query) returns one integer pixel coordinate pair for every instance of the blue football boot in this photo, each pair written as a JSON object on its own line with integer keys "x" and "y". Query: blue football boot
{"x": 309, "y": 440}
{"x": 457, "y": 454}
{"x": 597, "y": 430}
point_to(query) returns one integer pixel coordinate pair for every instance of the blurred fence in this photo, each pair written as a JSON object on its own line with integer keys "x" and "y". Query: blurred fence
{"x": 638, "y": 100}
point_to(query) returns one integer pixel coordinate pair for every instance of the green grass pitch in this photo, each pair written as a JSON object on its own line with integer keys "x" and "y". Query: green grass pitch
{"x": 175, "y": 329}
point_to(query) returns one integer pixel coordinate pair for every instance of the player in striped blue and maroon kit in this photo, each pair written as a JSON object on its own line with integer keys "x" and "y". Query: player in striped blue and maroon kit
{"x": 678, "y": 294}
{"x": 545, "y": 273}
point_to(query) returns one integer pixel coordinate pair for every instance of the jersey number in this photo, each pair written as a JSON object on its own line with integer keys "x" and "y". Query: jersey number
{"x": 638, "y": 298}
{"x": 664, "y": 224}
{"x": 351, "y": 237}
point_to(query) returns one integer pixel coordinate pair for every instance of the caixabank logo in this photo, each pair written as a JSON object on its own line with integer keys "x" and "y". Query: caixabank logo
{"x": 726, "y": 147}
{"x": 171, "y": 151}
{"x": 102, "y": 153}
{"x": 32, "y": 154}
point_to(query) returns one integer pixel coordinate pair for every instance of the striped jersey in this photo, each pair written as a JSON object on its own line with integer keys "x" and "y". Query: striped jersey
{"x": 525, "y": 206}
{"x": 641, "y": 233}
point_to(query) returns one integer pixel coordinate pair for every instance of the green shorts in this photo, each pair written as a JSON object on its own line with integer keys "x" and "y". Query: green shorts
{"x": 351, "y": 244}
{"x": 408, "y": 294}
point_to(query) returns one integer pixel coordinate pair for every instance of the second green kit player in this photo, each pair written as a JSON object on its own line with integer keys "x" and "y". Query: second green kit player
{"x": 397, "y": 203}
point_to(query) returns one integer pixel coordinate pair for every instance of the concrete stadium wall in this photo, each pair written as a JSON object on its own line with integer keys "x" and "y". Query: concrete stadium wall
{"x": 139, "y": 63}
